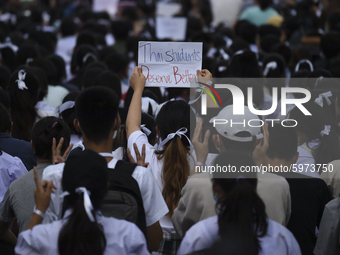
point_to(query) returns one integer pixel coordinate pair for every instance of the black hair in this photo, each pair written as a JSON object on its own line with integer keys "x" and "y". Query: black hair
{"x": 279, "y": 71}
{"x": 239, "y": 44}
{"x": 264, "y": 4}
{"x": 244, "y": 65}
{"x": 47, "y": 66}
{"x": 82, "y": 56}
{"x": 23, "y": 103}
{"x": 5, "y": 75}
{"x": 68, "y": 27}
{"x": 69, "y": 115}
{"x": 268, "y": 41}
{"x": 173, "y": 116}
{"x": 241, "y": 212}
{"x": 333, "y": 21}
{"x": 244, "y": 147}
{"x": 117, "y": 63}
{"x": 121, "y": 29}
{"x": 4, "y": 98}
{"x": 27, "y": 51}
{"x": 330, "y": 44}
{"x": 150, "y": 123}
{"x": 8, "y": 58}
{"x": 43, "y": 133}
{"x": 59, "y": 64}
{"x": 86, "y": 38}
{"x": 312, "y": 126}
{"x": 89, "y": 76}
{"x": 5, "y": 119}
{"x": 283, "y": 50}
{"x": 79, "y": 235}
{"x": 248, "y": 32}
{"x": 266, "y": 30}
{"x": 109, "y": 80}
{"x": 283, "y": 142}
{"x": 96, "y": 111}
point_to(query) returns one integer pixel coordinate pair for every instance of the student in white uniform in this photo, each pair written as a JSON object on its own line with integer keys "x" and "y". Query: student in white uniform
{"x": 170, "y": 164}
{"x": 83, "y": 229}
{"x": 97, "y": 118}
{"x": 241, "y": 221}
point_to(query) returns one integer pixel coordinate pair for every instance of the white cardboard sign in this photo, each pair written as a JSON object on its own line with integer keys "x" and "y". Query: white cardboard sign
{"x": 171, "y": 28}
{"x": 169, "y": 64}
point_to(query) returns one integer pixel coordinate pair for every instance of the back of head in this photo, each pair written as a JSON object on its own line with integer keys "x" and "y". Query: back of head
{"x": 5, "y": 75}
{"x": 59, "y": 64}
{"x": 23, "y": 90}
{"x": 117, "y": 63}
{"x": 318, "y": 127}
{"x": 86, "y": 38}
{"x": 96, "y": 111}
{"x": 108, "y": 79}
{"x": 67, "y": 111}
{"x": 89, "y": 76}
{"x": 43, "y": 133}
{"x": 82, "y": 56}
{"x": 68, "y": 27}
{"x": 85, "y": 175}
{"x": 5, "y": 120}
{"x": 242, "y": 215}
{"x": 47, "y": 66}
{"x": 274, "y": 66}
{"x": 4, "y": 99}
{"x": 264, "y": 4}
{"x": 121, "y": 29}
{"x": 268, "y": 41}
{"x": 333, "y": 21}
{"x": 265, "y": 30}
{"x": 244, "y": 65}
{"x": 174, "y": 116}
{"x": 249, "y": 32}
{"x": 283, "y": 50}
{"x": 330, "y": 44}
{"x": 25, "y": 52}
{"x": 283, "y": 142}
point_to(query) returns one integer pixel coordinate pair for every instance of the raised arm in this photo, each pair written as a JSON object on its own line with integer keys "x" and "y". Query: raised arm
{"x": 133, "y": 120}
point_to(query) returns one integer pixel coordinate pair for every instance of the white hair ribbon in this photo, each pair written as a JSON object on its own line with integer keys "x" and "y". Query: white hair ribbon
{"x": 145, "y": 130}
{"x": 239, "y": 52}
{"x": 211, "y": 52}
{"x": 326, "y": 95}
{"x": 297, "y": 67}
{"x": 318, "y": 80}
{"x": 170, "y": 136}
{"x": 87, "y": 201}
{"x": 222, "y": 68}
{"x": 89, "y": 54}
{"x": 8, "y": 43}
{"x": 269, "y": 66}
{"x": 67, "y": 105}
{"x": 224, "y": 54}
{"x": 146, "y": 102}
{"x": 21, "y": 80}
{"x": 326, "y": 131}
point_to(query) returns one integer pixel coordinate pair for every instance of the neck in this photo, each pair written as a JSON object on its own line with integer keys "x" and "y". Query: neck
{"x": 42, "y": 160}
{"x": 277, "y": 163}
{"x": 104, "y": 146}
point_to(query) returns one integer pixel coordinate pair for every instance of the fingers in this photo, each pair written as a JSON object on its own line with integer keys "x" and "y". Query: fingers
{"x": 265, "y": 135}
{"x": 68, "y": 151}
{"x": 53, "y": 148}
{"x": 199, "y": 74}
{"x": 49, "y": 188}
{"x": 136, "y": 151}
{"x": 143, "y": 153}
{"x": 198, "y": 130}
{"x": 206, "y": 138}
{"x": 131, "y": 159}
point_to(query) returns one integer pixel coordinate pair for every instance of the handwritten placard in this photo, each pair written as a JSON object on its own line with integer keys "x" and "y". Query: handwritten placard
{"x": 171, "y": 28}
{"x": 169, "y": 64}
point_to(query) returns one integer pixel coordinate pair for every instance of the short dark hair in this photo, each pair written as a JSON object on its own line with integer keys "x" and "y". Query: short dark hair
{"x": 5, "y": 119}
{"x": 244, "y": 147}
{"x": 96, "y": 111}
{"x": 283, "y": 142}
{"x": 68, "y": 27}
{"x": 43, "y": 133}
{"x": 330, "y": 44}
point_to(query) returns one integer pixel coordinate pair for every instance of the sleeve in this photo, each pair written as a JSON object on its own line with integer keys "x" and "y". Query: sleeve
{"x": 140, "y": 138}
{"x": 288, "y": 205}
{"x": 138, "y": 243}
{"x": 6, "y": 211}
{"x": 293, "y": 246}
{"x": 328, "y": 240}
{"x": 17, "y": 169}
{"x": 154, "y": 204}
{"x": 53, "y": 212}
{"x": 26, "y": 244}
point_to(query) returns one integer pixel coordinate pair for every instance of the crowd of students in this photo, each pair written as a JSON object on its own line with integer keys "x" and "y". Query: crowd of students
{"x": 94, "y": 162}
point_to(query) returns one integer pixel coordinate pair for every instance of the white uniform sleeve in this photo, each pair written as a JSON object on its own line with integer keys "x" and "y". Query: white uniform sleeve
{"x": 140, "y": 139}
{"x": 54, "y": 211}
{"x": 27, "y": 243}
{"x": 153, "y": 201}
{"x": 17, "y": 169}
{"x": 138, "y": 245}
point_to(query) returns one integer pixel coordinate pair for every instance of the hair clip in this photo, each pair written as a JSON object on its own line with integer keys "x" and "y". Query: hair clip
{"x": 54, "y": 124}
{"x": 89, "y": 54}
{"x": 21, "y": 80}
{"x": 269, "y": 66}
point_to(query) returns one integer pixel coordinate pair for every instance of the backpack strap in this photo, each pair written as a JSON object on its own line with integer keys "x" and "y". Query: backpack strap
{"x": 126, "y": 166}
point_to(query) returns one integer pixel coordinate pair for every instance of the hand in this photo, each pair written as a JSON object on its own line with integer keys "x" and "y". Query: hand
{"x": 56, "y": 151}
{"x": 261, "y": 149}
{"x": 140, "y": 159}
{"x": 205, "y": 73}
{"x": 201, "y": 148}
{"x": 42, "y": 194}
{"x": 137, "y": 79}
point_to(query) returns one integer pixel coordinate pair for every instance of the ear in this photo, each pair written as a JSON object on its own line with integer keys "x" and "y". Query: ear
{"x": 77, "y": 125}
{"x": 296, "y": 157}
{"x": 157, "y": 131}
{"x": 117, "y": 122}
{"x": 216, "y": 189}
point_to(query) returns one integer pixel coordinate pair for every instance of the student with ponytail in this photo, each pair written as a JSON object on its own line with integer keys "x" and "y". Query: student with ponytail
{"x": 83, "y": 230}
{"x": 170, "y": 163}
{"x": 241, "y": 221}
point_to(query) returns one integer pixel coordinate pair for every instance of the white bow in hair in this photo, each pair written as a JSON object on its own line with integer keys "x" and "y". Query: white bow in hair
{"x": 326, "y": 95}
{"x": 8, "y": 43}
{"x": 170, "y": 136}
{"x": 21, "y": 80}
{"x": 224, "y": 54}
{"x": 326, "y": 131}
{"x": 297, "y": 67}
{"x": 270, "y": 66}
{"x": 89, "y": 54}
{"x": 87, "y": 201}
{"x": 145, "y": 130}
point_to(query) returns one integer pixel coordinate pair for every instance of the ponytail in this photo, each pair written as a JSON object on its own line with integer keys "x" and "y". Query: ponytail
{"x": 242, "y": 215}
{"x": 175, "y": 172}
{"x": 80, "y": 236}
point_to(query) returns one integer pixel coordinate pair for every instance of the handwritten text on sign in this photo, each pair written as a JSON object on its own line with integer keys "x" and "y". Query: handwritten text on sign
{"x": 169, "y": 64}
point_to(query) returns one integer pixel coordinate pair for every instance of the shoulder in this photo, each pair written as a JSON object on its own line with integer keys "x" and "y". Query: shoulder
{"x": 276, "y": 230}
{"x": 272, "y": 180}
{"x": 53, "y": 171}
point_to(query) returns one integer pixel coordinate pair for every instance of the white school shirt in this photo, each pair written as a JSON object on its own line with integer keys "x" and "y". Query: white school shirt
{"x": 11, "y": 168}
{"x": 278, "y": 240}
{"x": 156, "y": 166}
{"x": 122, "y": 237}
{"x": 153, "y": 201}
{"x": 307, "y": 160}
